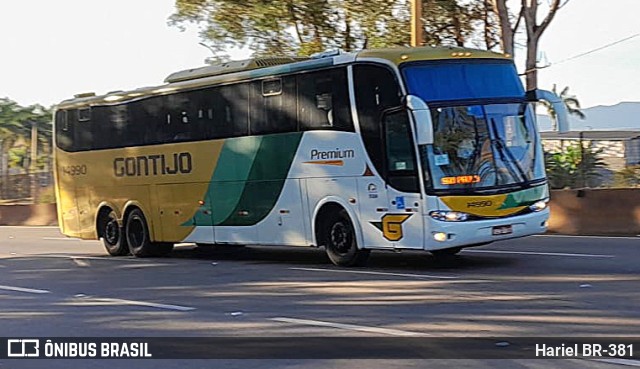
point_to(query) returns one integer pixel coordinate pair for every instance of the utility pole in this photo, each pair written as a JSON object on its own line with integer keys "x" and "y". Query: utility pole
{"x": 416, "y": 23}
{"x": 33, "y": 165}
{"x": 582, "y": 163}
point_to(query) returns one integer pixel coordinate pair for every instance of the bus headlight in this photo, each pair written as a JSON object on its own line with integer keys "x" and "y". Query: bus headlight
{"x": 449, "y": 216}
{"x": 539, "y": 205}
{"x": 440, "y": 236}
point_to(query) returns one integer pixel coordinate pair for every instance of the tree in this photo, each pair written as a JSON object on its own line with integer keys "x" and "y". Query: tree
{"x": 288, "y": 27}
{"x": 570, "y": 102}
{"x": 508, "y": 28}
{"x": 573, "y": 166}
{"x": 11, "y": 130}
{"x": 15, "y": 126}
{"x": 460, "y": 23}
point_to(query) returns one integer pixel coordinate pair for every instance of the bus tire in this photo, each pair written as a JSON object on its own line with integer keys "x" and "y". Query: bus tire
{"x": 443, "y": 253}
{"x": 110, "y": 234}
{"x": 340, "y": 241}
{"x": 139, "y": 238}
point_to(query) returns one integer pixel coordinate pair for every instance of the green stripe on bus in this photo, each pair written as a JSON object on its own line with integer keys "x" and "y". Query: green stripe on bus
{"x": 266, "y": 179}
{"x": 228, "y": 182}
{"x": 525, "y": 197}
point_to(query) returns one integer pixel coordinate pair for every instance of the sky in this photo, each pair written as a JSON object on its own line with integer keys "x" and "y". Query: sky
{"x": 51, "y": 50}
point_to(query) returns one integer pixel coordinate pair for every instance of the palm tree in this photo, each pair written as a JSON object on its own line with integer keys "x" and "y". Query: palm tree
{"x": 570, "y": 102}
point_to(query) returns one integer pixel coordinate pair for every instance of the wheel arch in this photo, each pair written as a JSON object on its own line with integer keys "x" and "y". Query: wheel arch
{"x": 330, "y": 203}
{"x": 134, "y": 204}
{"x": 102, "y": 210}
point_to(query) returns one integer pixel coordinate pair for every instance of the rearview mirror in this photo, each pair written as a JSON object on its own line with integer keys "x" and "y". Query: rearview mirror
{"x": 422, "y": 119}
{"x": 557, "y": 104}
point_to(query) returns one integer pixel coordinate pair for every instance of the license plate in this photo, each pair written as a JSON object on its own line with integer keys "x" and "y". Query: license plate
{"x": 500, "y": 230}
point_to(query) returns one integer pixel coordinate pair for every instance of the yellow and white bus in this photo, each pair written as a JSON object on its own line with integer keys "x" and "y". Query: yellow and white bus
{"x": 432, "y": 148}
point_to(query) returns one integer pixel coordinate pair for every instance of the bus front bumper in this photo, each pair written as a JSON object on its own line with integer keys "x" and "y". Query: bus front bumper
{"x": 442, "y": 235}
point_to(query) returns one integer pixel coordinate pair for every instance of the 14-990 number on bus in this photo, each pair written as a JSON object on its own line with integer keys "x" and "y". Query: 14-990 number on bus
{"x": 74, "y": 170}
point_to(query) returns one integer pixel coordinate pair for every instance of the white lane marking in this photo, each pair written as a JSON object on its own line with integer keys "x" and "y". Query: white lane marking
{"x": 21, "y": 289}
{"x": 114, "y": 301}
{"x": 81, "y": 262}
{"x": 143, "y": 265}
{"x": 541, "y": 253}
{"x": 618, "y": 361}
{"x": 375, "y": 273}
{"x": 350, "y": 327}
{"x": 579, "y": 236}
{"x": 31, "y": 227}
{"x": 60, "y": 239}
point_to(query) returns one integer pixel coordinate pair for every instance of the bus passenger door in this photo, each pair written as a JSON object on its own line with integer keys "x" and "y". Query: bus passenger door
{"x": 402, "y": 224}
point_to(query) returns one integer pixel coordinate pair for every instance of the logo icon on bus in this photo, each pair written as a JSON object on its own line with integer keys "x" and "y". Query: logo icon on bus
{"x": 391, "y": 226}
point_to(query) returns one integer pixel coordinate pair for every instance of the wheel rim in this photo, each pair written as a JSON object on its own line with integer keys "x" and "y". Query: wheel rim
{"x": 340, "y": 235}
{"x": 112, "y": 232}
{"x": 136, "y": 232}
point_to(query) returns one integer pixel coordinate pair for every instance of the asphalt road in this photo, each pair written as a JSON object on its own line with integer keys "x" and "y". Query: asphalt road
{"x": 533, "y": 287}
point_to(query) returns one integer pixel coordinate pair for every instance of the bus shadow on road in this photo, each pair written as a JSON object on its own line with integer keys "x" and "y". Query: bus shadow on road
{"x": 297, "y": 256}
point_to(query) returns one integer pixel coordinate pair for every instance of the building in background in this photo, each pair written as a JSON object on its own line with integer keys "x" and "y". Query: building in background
{"x": 619, "y": 148}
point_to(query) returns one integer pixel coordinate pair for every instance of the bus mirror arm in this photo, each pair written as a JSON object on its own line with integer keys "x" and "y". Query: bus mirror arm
{"x": 421, "y": 118}
{"x": 557, "y": 104}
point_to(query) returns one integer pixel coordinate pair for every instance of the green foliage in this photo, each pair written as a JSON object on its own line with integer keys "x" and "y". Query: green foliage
{"x": 627, "y": 177}
{"x": 288, "y": 27}
{"x": 572, "y": 168}
{"x": 15, "y": 131}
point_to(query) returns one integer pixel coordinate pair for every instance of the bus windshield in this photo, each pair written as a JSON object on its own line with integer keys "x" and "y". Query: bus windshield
{"x": 482, "y": 146}
{"x": 484, "y": 133}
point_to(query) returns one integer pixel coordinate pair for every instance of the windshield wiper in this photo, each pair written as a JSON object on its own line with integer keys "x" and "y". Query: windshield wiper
{"x": 502, "y": 149}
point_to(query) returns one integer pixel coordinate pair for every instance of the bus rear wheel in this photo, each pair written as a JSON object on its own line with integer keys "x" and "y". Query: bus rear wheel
{"x": 340, "y": 241}
{"x": 138, "y": 237}
{"x": 111, "y": 234}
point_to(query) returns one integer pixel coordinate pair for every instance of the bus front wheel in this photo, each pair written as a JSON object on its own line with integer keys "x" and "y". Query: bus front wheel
{"x": 138, "y": 237}
{"x": 340, "y": 241}
{"x": 111, "y": 234}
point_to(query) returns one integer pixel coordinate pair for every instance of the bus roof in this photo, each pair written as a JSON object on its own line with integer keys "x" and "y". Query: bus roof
{"x": 263, "y": 67}
{"x": 399, "y": 55}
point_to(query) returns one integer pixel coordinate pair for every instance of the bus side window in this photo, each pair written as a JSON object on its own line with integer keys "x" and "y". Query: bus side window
{"x": 273, "y": 105}
{"x": 177, "y": 115}
{"x": 201, "y": 114}
{"x": 323, "y": 101}
{"x": 232, "y": 102}
{"x": 100, "y": 129}
{"x": 64, "y": 131}
{"x": 84, "y": 130}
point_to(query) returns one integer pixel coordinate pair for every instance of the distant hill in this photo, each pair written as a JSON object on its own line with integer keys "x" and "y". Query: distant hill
{"x": 622, "y": 116}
